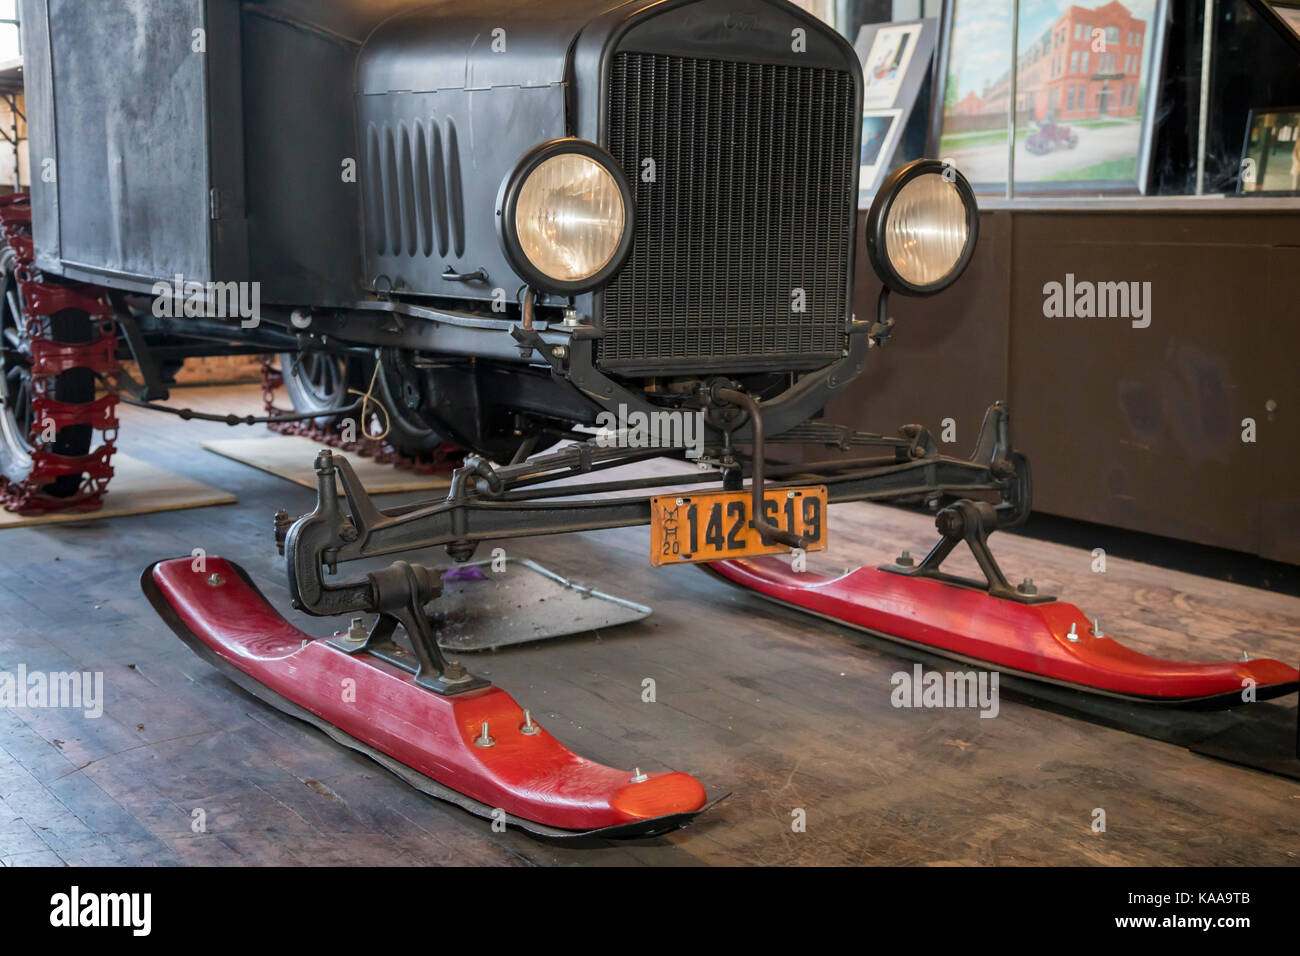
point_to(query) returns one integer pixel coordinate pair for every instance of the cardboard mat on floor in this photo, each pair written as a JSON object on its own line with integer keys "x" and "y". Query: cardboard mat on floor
{"x": 293, "y": 457}
{"x": 137, "y": 488}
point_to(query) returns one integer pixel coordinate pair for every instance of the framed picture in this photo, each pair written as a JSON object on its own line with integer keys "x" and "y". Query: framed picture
{"x": 1270, "y": 163}
{"x": 1288, "y": 11}
{"x": 880, "y": 130}
{"x": 1086, "y": 88}
{"x": 887, "y": 62}
{"x": 896, "y": 63}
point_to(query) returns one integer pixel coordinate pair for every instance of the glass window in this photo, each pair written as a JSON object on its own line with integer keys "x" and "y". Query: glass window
{"x": 825, "y": 9}
{"x": 1128, "y": 121}
{"x": 10, "y": 42}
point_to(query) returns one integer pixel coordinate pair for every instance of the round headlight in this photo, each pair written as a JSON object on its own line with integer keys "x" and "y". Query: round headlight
{"x": 922, "y": 228}
{"x": 566, "y": 216}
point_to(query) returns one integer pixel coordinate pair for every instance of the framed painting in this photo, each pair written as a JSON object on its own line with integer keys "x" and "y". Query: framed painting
{"x": 1085, "y": 93}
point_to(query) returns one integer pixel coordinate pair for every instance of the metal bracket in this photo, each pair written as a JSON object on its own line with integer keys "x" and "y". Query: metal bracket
{"x": 972, "y": 522}
{"x": 400, "y": 593}
{"x": 767, "y": 531}
{"x": 153, "y": 390}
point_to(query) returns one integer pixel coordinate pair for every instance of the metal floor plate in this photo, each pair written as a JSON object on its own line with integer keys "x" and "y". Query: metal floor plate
{"x": 481, "y": 609}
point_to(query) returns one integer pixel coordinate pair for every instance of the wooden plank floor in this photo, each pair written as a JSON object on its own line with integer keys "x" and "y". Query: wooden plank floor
{"x": 785, "y": 713}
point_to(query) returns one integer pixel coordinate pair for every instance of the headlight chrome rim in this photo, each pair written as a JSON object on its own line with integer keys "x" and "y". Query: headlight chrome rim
{"x": 507, "y": 207}
{"x": 878, "y": 222}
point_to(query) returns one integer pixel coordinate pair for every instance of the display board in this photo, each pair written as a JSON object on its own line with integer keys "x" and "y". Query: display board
{"x": 895, "y": 59}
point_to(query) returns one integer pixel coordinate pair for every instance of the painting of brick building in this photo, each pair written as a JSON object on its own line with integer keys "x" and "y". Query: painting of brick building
{"x": 1081, "y": 81}
{"x": 1087, "y": 65}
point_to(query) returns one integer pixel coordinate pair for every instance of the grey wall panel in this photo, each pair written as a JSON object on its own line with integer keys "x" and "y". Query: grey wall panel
{"x": 303, "y": 219}
{"x": 130, "y": 120}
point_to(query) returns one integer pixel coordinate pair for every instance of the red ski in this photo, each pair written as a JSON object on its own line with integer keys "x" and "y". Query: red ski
{"x": 1053, "y": 641}
{"x": 993, "y": 625}
{"x": 478, "y": 748}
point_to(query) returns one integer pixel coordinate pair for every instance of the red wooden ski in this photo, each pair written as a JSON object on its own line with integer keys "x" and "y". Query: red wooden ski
{"x": 477, "y": 749}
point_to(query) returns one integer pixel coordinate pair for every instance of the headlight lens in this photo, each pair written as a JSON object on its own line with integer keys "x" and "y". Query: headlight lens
{"x": 927, "y": 231}
{"x": 570, "y": 217}
{"x": 922, "y": 227}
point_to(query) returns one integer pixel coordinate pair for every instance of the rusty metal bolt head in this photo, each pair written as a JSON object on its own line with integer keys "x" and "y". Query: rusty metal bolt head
{"x": 950, "y": 523}
{"x": 455, "y": 671}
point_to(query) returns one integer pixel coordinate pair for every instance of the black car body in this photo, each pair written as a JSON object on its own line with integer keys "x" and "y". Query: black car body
{"x": 212, "y": 140}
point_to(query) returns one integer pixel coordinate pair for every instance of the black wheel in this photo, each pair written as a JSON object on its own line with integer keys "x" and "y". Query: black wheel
{"x": 323, "y": 382}
{"x": 74, "y": 386}
{"x": 319, "y": 382}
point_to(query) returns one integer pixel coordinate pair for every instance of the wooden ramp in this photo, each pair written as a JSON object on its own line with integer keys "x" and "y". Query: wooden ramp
{"x": 293, "y": 457}
{"x": 137, "y": 488}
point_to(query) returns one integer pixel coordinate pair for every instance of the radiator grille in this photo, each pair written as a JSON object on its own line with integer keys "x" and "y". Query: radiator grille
{"x": 754, "y": 197}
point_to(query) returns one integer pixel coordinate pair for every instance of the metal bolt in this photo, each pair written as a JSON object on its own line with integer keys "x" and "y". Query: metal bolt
{"x": 905, "y": 560}
{"x": 357, "y": 631}
{"x": 1027, "y": 587}
{"x": 485, "y": 739}
{"x": 455, "y": 672}
{"x": 789, "y": 494}
{"x": 558, "y": 351}
{"x": 1096, "y": 627}
{"x": 529, "y": 727}
{"x": 1245, "y": 655}
{"x": 638, "y": 776}
{"x": 681, "y": 501}
{"x": 1074, "y": 633}
{"x": 215, "y": 580}
{"x": 572, "y": 317}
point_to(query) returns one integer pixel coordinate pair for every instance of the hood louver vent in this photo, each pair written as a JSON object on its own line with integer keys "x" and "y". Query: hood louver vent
{"x": 414, "y": 201}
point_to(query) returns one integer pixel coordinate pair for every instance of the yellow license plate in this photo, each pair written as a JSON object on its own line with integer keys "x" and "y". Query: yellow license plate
{"x": 715, "y": 524}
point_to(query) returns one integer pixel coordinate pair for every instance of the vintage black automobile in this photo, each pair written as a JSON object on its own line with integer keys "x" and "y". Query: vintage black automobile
{"x": 485, "y": 224}
{"x": 524, "y": 213}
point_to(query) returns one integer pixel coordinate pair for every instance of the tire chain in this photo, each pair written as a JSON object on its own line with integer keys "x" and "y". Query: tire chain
{"x": 43, "y": 298}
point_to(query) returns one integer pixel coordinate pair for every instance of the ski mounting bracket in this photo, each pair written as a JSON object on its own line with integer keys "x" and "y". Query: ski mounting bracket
{"x": 400, "y": 593}
{"x": 972, "y": 522}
